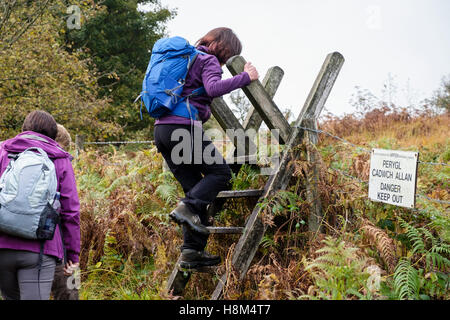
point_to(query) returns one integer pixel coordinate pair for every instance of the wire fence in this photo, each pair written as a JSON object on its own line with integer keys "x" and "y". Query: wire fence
{"x": 135, "y": 142}
{"x": 307, "y": 129}
{"x": 118, "y": 142}
{"x": 364, "y": 148}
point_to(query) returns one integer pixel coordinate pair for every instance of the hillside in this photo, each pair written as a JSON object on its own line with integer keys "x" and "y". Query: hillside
{"x": 366, "y": 250}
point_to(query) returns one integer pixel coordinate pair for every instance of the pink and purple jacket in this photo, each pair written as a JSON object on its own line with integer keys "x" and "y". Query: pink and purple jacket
{"x": 207, "y": 72}
{"x": 70, "y": 205}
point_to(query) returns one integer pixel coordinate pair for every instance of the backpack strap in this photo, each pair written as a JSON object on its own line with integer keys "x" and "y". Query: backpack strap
{"x": 198, "y": 92}
{"x": 41, "y": 152}
{"x": 137, "y": 98}
{"x": 39, "y": 265}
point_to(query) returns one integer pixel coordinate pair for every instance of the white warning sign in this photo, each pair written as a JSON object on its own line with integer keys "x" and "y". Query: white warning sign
{"x": 392, "y": 177}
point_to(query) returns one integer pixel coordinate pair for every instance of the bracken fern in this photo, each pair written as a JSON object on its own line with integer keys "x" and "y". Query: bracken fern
{"x": 406, "y": 280}
{"x": 338, "y": 271}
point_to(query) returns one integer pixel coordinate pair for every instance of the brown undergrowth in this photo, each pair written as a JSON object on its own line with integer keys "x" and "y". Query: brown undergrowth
{"x": 129, "y": 247}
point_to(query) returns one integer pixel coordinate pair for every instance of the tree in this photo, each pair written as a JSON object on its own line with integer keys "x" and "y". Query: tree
{"x": 16, "y": 17}
{"x": 118, "y": 40}
{"x": 441, "y": 97}
{"x": 38, "y": 73}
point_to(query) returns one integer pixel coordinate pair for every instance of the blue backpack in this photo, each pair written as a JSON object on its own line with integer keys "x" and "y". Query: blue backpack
{"x": 165, "y": 78}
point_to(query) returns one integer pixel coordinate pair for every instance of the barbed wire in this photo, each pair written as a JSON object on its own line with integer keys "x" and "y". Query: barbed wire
{"x": 119, "y": 142}
{"x": 135, "y": 142}
{"x": 367, "y": 150}
{"x": 335, "y": 137}
{"x": 366, "y": 182}
{"x": 363, "y": 148}
{"x": 434, "y": 163}
{"x": 432, "y": 199}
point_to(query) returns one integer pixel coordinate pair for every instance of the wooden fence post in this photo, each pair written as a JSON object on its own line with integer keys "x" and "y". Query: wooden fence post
{"x": 79, "y": 144}
{"x": 313, "y": 176}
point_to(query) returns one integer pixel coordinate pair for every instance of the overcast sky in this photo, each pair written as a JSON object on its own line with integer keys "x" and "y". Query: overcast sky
{"x": 408, "y": 38}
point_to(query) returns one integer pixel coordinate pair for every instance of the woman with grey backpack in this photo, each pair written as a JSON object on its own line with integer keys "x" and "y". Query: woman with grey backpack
{"x": 36, "y": 177}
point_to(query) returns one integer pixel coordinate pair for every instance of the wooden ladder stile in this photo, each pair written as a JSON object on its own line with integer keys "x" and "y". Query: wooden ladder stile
{"x": 264, "y": 109}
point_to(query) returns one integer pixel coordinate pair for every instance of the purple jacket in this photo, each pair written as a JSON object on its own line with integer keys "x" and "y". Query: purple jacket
{"x": 206, "y": 71}
{"x": 70, "y": 205}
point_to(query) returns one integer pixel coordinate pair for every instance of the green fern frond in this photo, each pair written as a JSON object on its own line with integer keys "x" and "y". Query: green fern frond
{"x": 442, "y": 248}
{"x": 337, "y": 271}
{"x": 168, "y": 193}
{"x": 268, "y": 242}
{"x": 414, "y": 236}
{"x": 111, "y": 258}
{"x": 428, "y": 235}
{"x": 284, "y": 202}
{"x": 435, "y": 259}
{"x": 436, "y": 256}
{"x": 406, "y": 280}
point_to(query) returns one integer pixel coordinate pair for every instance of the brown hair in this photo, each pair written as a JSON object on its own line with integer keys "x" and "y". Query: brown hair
{"x": 221, "y": 42}
{"x": 41, "y": 122}
{"x": 63, "y": 137}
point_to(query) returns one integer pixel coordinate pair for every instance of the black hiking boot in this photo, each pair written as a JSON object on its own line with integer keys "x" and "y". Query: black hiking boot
{"x": 191, "y": 259}
{"x": 183, "y": 215}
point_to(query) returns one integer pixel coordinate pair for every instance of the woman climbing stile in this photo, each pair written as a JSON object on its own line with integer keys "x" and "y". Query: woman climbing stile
{"x": 27, "y": 266}
{"x": 201, "y": 180}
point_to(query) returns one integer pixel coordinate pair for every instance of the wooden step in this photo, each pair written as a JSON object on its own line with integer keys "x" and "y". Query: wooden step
{"x": 212, "y": 269}
{"x": 241, "y": 193}
{"x": 226, "y": 230}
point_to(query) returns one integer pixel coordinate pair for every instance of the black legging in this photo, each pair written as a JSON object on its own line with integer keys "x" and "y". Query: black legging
{"x": 201, "y": 182}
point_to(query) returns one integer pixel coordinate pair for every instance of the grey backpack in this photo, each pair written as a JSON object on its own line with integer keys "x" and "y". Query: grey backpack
{"x": 27, "y": 192}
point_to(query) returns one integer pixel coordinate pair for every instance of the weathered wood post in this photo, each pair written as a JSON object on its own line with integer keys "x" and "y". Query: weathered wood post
{"x": 270, "y": 83}
{"x": 313, "y": 176}
{"x": 79, "y": 144}
{"x": 261, "y": 101}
